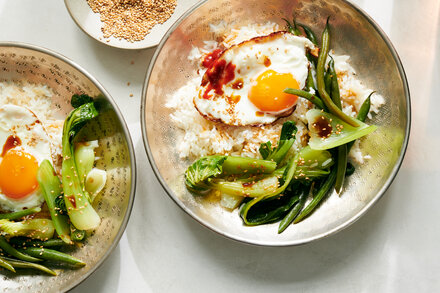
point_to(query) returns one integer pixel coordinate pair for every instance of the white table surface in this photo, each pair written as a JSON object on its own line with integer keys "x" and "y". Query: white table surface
{"x": 395, "y": 247}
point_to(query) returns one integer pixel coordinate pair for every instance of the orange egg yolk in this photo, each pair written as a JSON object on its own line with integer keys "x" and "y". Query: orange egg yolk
{"x": 18, "y": 174}
{"x": 267, "y": 92}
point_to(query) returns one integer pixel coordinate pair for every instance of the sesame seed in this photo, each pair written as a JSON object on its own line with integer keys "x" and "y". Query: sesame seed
{"x": 131, "y": 20}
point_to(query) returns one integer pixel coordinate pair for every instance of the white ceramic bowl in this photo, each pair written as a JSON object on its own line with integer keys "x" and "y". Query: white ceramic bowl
{"x": 91, "y": 24}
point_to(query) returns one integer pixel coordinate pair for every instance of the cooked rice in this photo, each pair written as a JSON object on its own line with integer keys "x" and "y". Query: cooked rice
{"x": 201, "y": 137}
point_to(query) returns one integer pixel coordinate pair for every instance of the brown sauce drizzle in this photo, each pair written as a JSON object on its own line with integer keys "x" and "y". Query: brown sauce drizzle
{"x": 247, "y": 184}
{"x": 323, "y": 127}
{"x": 233, "y": 99}
{"x": 11, "y": 142}
{"x": 238, "y": 84}
{"x": 72, "y": 200}
{"x": 267, "y": 61}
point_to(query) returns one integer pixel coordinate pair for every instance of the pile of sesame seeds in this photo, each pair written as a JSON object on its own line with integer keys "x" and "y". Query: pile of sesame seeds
{"x": 131, "y": 20}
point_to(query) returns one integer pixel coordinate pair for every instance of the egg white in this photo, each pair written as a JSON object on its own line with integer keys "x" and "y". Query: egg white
{"x": 286, "y": 54}
{"x": 24, "y": 124}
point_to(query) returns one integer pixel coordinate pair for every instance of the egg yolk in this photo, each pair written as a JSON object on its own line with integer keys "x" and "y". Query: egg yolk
{"x": 267, "y": 92}
{"x": 18, "y": 174}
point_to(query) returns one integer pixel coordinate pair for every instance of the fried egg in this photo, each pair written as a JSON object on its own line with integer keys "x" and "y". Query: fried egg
{"x": 244, "y": 84}
{"x": 24, "y": 144}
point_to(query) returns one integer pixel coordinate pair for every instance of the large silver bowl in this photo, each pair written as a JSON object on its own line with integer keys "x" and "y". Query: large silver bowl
{"x": 353, "y": 33}
{"x": 21, "y": 62}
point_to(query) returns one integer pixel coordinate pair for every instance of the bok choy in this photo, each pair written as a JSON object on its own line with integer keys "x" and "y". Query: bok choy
{"x": 80, "y": 211}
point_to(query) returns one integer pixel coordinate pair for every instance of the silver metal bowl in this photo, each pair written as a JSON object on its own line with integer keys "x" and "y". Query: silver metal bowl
{"x": 22, "y": 62}
{"x": 353, "y": 33}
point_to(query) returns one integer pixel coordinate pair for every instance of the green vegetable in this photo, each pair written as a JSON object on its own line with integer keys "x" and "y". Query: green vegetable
{"x": 265, "y": 149}
{"x": 5, "y": 264}
{"x": 304, "y": 161}
{"x": 287, "y": 178}
{"x": 365, "y": 108}
{"x": 51, "y": 188}
{"x": 294, "y": 212}
{"x": 291, "y": 27}
{"x": 310, "y": 83}
{"x": 306, "y": 95}
{"x": 229, "y": 201}
{"x": 248, "y": 188}
{"x": 309, "y": 33}
{"x": 362, "y": 115}
{"x": 270, "y": 211}
{"x": 53, "y": 255}
{"x": 77, "y": 235}
{"x": 312, "y": 164}
{"x": 350, "y": 169}
{"x": 312, "y": 37}
{"x": 326, "y": 186}
{"x": 197, "y": 175}
{"x": 336, "y": 97}
{"x": 313, "y": 160}
{"x": 241, "y": 165}
{"x": 287, "y": 138}
{"x": 80, "y": 211}
{"x": 79, "y": 100}
{"x": 328, "y": 81}
{"x": 20, "y": 214}
{"x": 60, "y": 205}
{"x": 305, "y": 174}
{"x": 322, "y": 137}
{"x": 22, "y": 241}
{"x": 42, "y": 229}
{"x": 6, "y": 247}
{"x": 95, "y": 182}
{"x": 341, "y": 163}
{"x": 321, "y": 84}
{"x": 85, "y": 158}
{"x": 28, "y": 265}
{"x": 341, "y": 167}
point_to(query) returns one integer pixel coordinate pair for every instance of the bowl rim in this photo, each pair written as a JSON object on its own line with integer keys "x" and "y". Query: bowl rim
{"x": 127, "y": 137}
{"x": 333, "y": 231}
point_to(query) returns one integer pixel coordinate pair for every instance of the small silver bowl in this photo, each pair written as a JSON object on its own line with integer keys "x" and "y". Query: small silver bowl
{"x": 353, "y": 33}
{"x": 22, "y": 62}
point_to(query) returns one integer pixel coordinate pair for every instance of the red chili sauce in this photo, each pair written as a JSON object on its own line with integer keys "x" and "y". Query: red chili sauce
{"x": 211, "y": 57}
{"x": 217, "y": 75}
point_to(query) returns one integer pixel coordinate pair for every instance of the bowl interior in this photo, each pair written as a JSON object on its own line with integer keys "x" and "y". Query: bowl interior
{"x": 26, "y": 63}
{"x": 376, "y": 64}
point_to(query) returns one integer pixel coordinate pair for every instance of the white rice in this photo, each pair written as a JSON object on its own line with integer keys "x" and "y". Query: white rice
{"x": 201, "y": 137}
